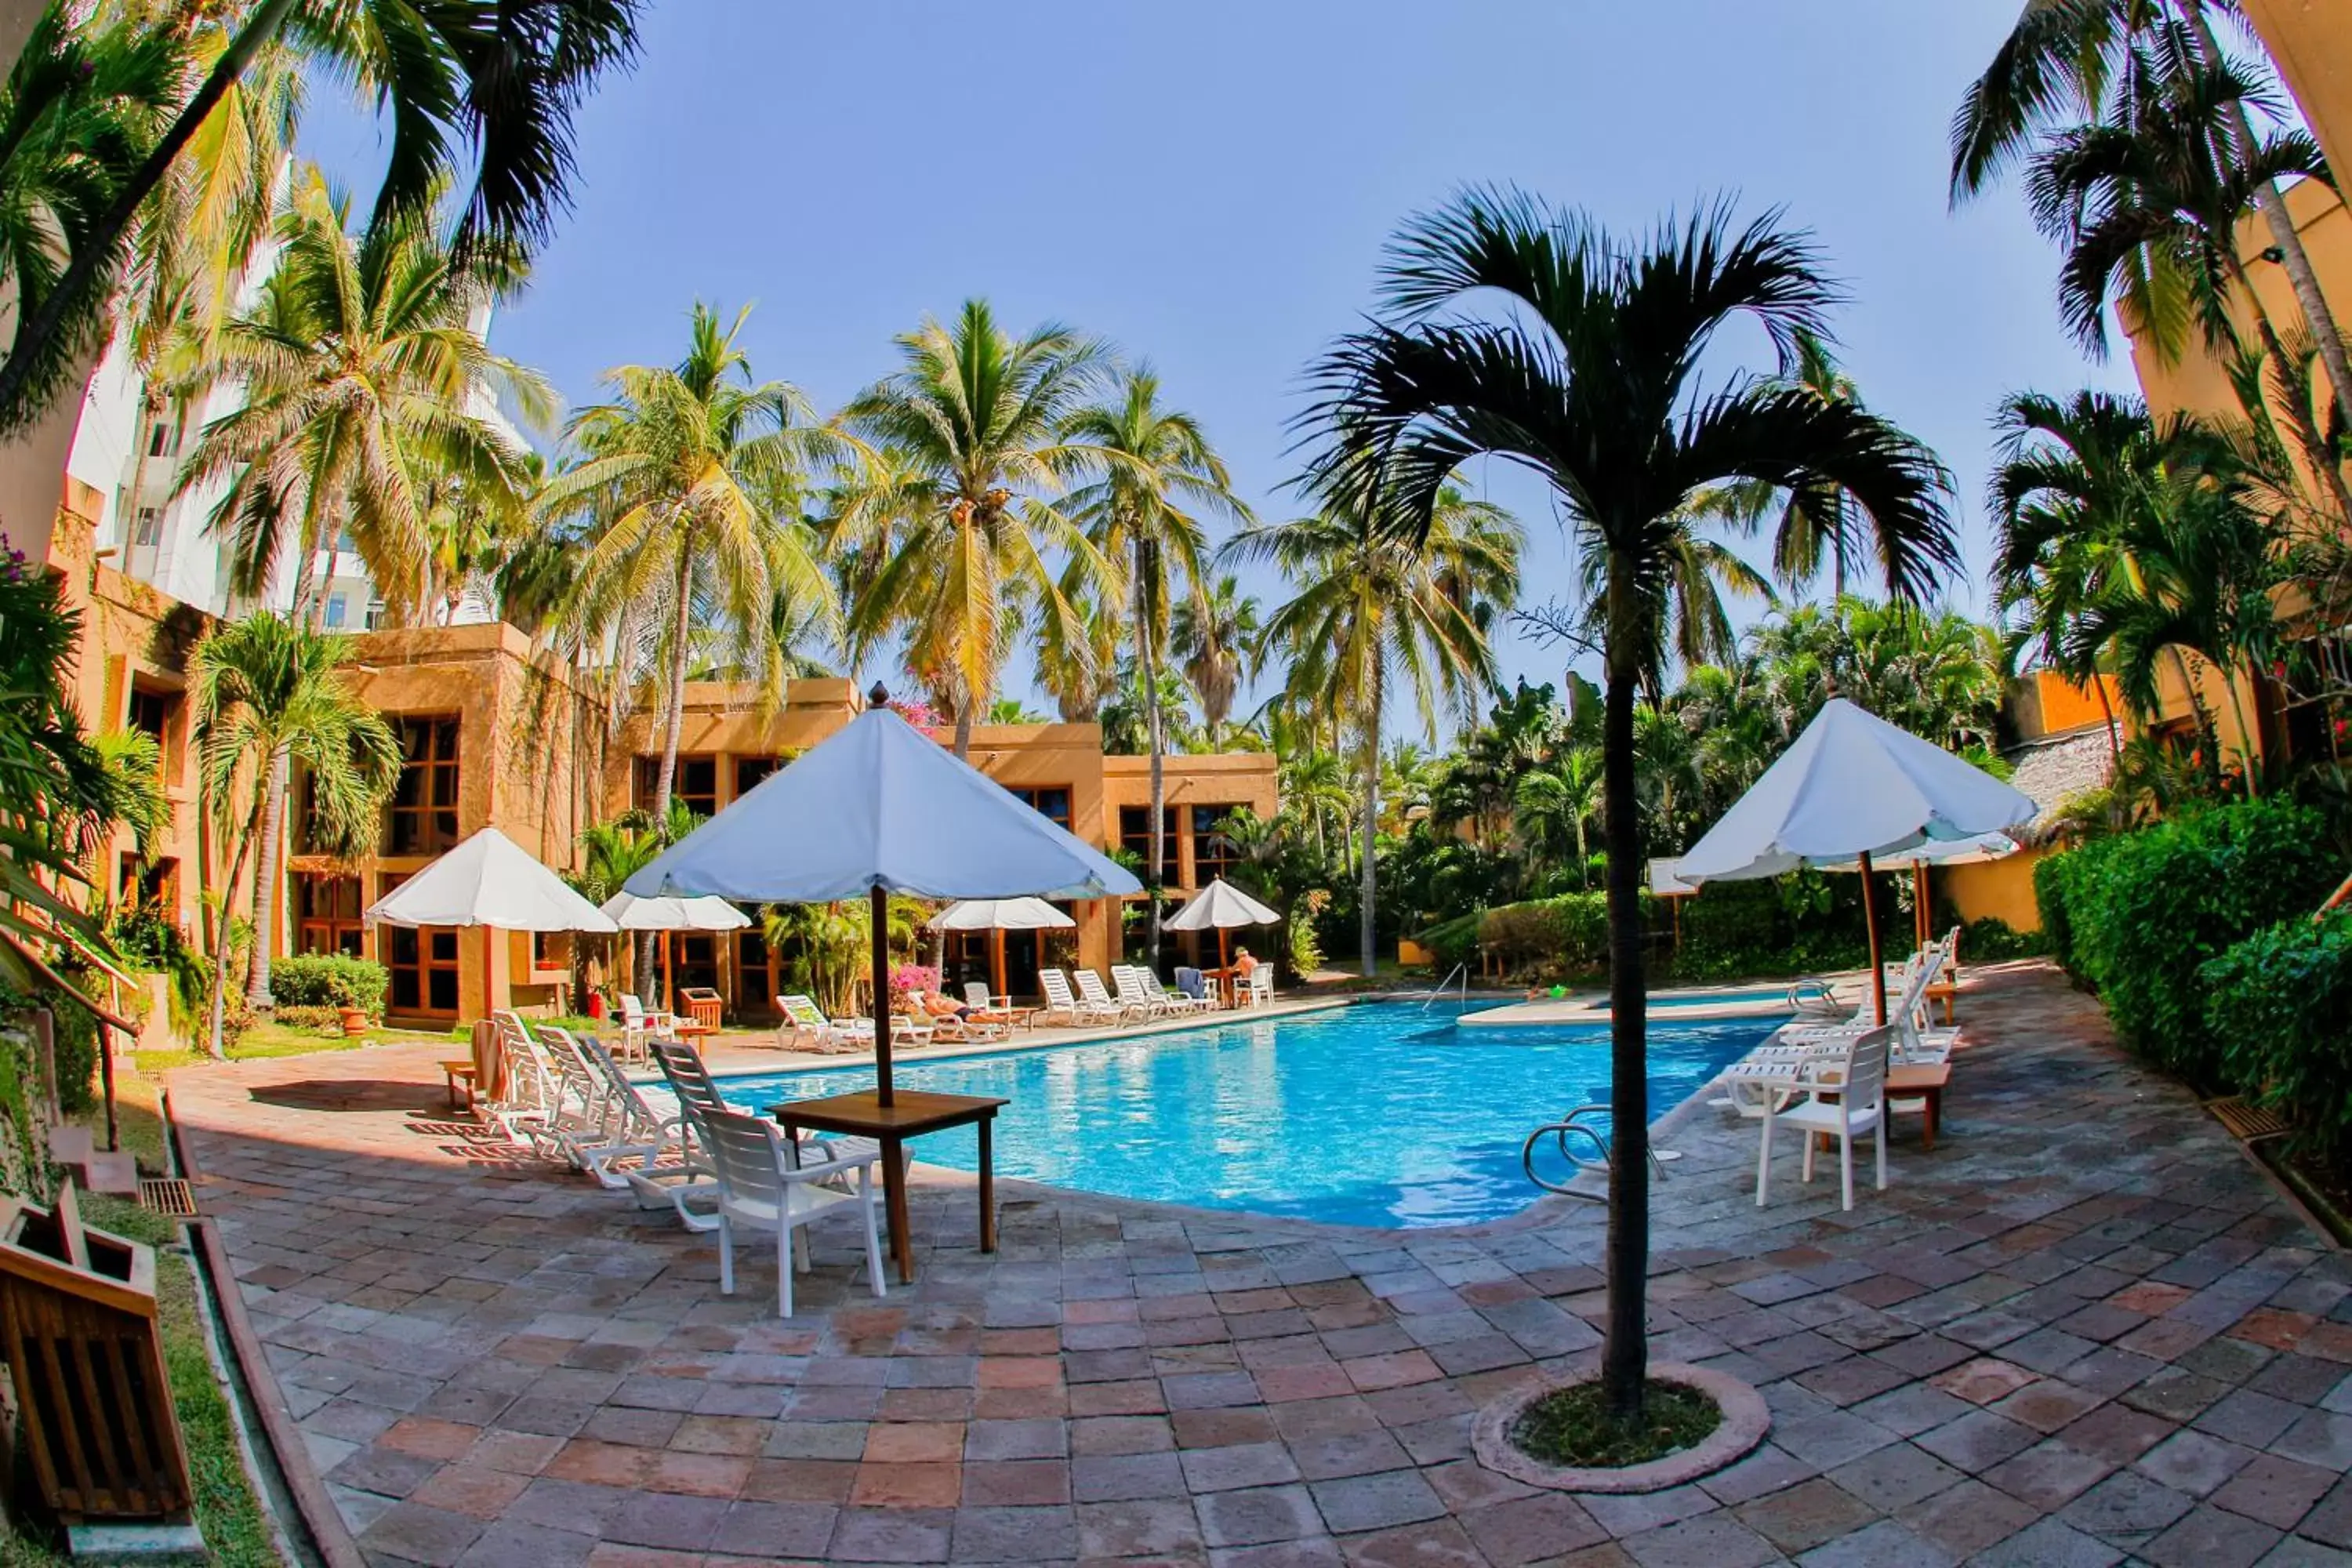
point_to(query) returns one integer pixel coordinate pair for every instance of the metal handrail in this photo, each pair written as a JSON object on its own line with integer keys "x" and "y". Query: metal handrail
{"x": 1558, "y": 1132}
{"x": 1438, "y": 990}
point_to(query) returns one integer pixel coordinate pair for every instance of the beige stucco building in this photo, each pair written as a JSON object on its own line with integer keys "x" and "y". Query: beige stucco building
{"x": 496, "y": 733}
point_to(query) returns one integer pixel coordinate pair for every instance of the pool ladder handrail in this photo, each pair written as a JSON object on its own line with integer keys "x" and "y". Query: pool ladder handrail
{"x": 1438, "y": 990}
{"x": 1559, "y": 1130}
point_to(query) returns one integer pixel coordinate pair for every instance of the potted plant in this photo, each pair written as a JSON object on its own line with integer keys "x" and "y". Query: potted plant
{"x": 355, "y": 1021}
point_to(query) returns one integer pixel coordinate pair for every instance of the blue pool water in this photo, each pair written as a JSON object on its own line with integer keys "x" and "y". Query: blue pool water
{"x": 1379, "y": 1113}
{"x": 1668, "y": 1001}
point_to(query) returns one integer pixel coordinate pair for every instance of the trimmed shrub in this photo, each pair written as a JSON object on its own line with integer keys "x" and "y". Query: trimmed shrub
{"x": 2146, "y": 910}
{"x": 320, "y": 1020}
{"x": 1992, "y": 939}
{"x": 74, "y": 1044}
{"x": 2053, "y": 876}
{"x": 2279, "y": 1004}
{"x": 330, "y": 980}
{"x": 1566, "y": 933}
{"x": 1455, "y": 941}
{"x": 1798, "y": 924}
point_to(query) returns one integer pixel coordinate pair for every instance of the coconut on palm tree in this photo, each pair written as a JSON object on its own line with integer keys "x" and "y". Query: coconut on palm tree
{"x": 268, "y": 690}
{"x": 1589, "y": 377}
{"x": 958, "y": 503}
{"x": 1141, "y": 509}
{"x": 1372, "y": 608}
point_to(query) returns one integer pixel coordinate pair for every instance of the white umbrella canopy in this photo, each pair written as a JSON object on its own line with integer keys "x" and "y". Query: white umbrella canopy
{"x": 881, "y": 808}
{"x": 488, "y": 880}
{"x": 1218, "y": 907}
{"x": 1852, "y": 788}
{"x": 1000, "y": 914}
{"x": 631, "y": 912}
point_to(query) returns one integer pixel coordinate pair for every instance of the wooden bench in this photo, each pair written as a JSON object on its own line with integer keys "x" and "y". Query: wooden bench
{"x": 461, "y": 1071}
{"x": 78, "y": 1330}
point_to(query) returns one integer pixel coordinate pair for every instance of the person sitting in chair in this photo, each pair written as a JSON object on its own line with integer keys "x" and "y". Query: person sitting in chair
{"x": 1242, "y": 963}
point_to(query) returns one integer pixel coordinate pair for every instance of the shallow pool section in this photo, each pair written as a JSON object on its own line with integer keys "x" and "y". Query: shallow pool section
{"x": 1674, "y": 1001}
{"x": 1376, "y": 1113}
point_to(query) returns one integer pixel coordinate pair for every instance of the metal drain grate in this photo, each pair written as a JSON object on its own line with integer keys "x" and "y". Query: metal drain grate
{"x": 167, "y": 1195}
{"x": 2248, "y": 1123}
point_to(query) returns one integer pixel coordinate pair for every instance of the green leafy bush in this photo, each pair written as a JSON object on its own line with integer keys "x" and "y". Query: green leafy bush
{"x": 322, "y": 1020}
{"x": 1562, "y": 935}
{"x": 1992, "y": 940}
{"x": 2054, "y": 879}
{"x": 1455, "y": 941}
{"x": 330, "y": 980}
{"x": 2279, "y": 1005}
{"x": 2146, "y": 910}
{"x": 1798, "y": 924}
{"x": 74, "y": 1033}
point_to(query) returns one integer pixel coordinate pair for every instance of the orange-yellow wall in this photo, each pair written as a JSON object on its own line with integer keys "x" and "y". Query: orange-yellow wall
{"x": 2311, "y": 41}
{"x": 1999, "y": 889}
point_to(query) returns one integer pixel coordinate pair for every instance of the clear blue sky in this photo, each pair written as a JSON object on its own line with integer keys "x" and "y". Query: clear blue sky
{"x": 1209, "y": 187}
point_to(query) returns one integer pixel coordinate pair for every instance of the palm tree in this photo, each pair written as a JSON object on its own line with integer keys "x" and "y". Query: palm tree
{"x": 2069, "y": 61}
{"x": 268, "y": 690}
{"x": 481, "y": 86}
{"x": 1589, "y": 382}
{"x": 1216, "y": 640}
{"x": 1810, "y": 528}
{"x": 1368, "y": 606}
{"x": 362, "y": 374}
{"x": 973, "y": 454}
{"x": 1139, "y": 511}
{"x": 360, "y": 369}
{"x": 1552, "y": 805}
{"x": 686, "y": 488}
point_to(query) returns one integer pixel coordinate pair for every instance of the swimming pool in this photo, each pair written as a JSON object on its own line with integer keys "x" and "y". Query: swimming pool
{"x": 1376, "y": 1114}
{"x": 1671, "y": 1001}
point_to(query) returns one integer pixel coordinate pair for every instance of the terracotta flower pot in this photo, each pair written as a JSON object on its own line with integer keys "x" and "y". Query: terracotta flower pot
{"x": 355, "y": 1022}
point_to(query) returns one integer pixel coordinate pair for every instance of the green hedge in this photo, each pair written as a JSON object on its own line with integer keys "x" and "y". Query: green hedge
{"x": 2142, "y": 913}
{"x": 2053, "y": 880}
{"x": 2279, "y": 1004}
{"x": 1563, "y": 935}
{"x": 329, "y": 980}
{"x": 1992, "y": 939}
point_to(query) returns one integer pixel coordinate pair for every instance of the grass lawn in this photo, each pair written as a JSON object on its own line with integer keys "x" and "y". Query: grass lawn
{"x": 267, "y": 1039}
{"x": 234, "y": 1530}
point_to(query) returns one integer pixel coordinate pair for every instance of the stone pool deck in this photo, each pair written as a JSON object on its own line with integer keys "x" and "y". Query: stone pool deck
{"x": 2083, "y": 1330}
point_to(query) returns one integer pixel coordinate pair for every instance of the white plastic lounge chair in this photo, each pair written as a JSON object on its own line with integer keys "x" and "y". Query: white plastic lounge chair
{"x": 1091, "y": 992}
{"x": 1856, "y": 1078}
{"x": 761, "y": 1186}
{"x": 1060, "y": 1003}
{"x": 640, "y": 1139}
{"x": 966, "y": 1030}
{"x": 999, "y": 1009}
{"x": 805, "y": 1024}
{"x": 1173, "y": 1001}
{"x": 1134, "y": 995}
{"x": 1260, "y": 989}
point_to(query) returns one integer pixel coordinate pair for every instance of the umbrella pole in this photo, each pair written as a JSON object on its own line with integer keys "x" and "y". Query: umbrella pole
{"x": 1870, "y": 923}
{"x": 489, "y": 939}
{"x": 882, "y": 1093}
{"x": 1925, "y": 921}
{"x": 670, "y": 971}
{"x": 996, "y": 955}
{"x": 1224, "y": 981}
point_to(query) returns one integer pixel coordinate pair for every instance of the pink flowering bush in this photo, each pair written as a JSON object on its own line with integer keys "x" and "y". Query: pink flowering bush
{"x": 906, "y": 977}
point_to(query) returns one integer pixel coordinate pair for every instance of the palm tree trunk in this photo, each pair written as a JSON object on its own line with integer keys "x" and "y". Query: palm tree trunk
{"x": 1157, "y": 739}
{"x": 1624, "y": 1354}
{"x": 2293, "y": 258}
{"x": 2245, "y": 736}
{"x": 673, "y": 726}
{"x": 1368, "y": 888}
{"x": 91, "y": 257}
{"x": 265, "y": 880}
{"x": 216, "y": 1046}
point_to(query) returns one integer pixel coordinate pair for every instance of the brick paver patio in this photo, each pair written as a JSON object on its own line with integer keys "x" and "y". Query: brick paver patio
{"x": 2085, "y": 1330}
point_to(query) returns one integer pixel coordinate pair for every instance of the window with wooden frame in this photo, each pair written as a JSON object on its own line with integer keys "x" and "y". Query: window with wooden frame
{"x": 423, "y": 816}
{"x": 327, "y": 915}
{"x": 1213, "y": 853}
{"x": 696, "y": 783}
{"x": 1051, "y": 802}
{"x": 1135, "y": 836}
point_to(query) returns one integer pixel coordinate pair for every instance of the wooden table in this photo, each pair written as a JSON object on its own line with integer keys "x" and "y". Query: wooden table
{"x": 913, "y": 1114}
{"x": 1926, "y": 1083}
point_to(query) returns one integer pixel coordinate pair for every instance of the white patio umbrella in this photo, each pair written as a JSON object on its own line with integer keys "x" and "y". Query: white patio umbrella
{"x": 876, "y": 809}
{"x": 1852, "y": 788}
{"x": 1974, "y": 851}
{"x": 998, "y": 916}
{"x": 490, "y": 881}
{"x": 1220, "y": 907}
{"x": 631, "y": 912}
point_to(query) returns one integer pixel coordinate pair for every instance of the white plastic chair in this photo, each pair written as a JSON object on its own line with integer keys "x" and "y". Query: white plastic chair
{"x": 760, "y": 1185}
{"x": 803, "y": 1017}
{"x": 1061, "y": 1003}
{"x": 1260, "y": 989}
{"x": 1173, "y": 1001}
{"x": 1100, "y": 1000}
{"x": 1842, "y": 1095}
{"x": 1132, "y": 994}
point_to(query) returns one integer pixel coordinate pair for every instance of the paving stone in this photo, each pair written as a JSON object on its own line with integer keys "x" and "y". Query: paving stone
{"x": 2127, "y": 1503}
{"x": 1798, "y": 1519}
{"x": 2193, "y": 1463}
{"x": 2049, "y": 1544}
{"x": 1977, "y": 1441}
{"x": 1893, "y": 1476}
{"x": 2049, "y": 1475}
{"x": 2208, "y": 1538}
{"x": 2318, "y": 1437}
{"x": 1884, "y": 1544}
{"x": 1967, "y": 1518}
{"x": 1710, "y": 1541}
{"x": 2276, "y": 1490}
{"x": 1257, "y": 1516}
{"x": 1531, "y": 1528}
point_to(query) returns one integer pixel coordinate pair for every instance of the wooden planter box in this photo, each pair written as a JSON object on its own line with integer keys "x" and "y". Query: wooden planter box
{"x": 78, "y": 1330}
